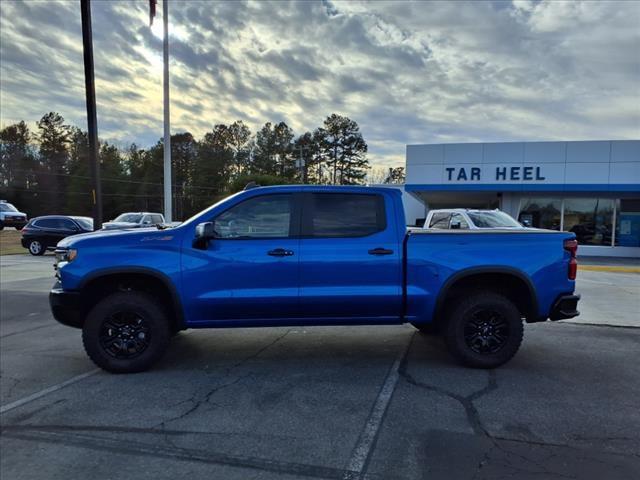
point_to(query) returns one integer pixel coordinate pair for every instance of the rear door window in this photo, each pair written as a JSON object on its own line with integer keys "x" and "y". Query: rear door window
{"x": 47, "y": 223}
{"x": 343, "y": 215}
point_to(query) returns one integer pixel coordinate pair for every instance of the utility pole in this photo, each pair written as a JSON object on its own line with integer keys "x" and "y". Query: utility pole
{"x": 167, "y": 120}
{"x": 92, "y": 117}
{"x": 302, "y": 166}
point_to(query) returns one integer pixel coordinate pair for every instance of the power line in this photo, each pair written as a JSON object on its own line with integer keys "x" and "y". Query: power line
{"x": 58, "y": 192}
{"x": 110, "y": 179}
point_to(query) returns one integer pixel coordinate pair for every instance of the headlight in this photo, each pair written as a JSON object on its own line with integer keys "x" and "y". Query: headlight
{"x": 66, "y": 255}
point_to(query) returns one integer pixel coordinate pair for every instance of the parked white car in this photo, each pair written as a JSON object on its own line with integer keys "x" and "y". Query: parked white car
{"x": 464, "y": 218}
{"x": 134, "y": 220}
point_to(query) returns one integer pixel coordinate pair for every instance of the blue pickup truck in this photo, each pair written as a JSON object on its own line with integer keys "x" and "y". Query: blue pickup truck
{"x": 310, "y": 255}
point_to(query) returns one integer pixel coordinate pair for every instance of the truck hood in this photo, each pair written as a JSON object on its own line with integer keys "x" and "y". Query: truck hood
{"x": 116, "y": 237}
{"x": 14, "y": 214}
{"x": 115, "y": 225}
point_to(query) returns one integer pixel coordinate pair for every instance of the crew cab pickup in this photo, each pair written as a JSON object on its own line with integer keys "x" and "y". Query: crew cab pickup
{"x": 310, "y": 255}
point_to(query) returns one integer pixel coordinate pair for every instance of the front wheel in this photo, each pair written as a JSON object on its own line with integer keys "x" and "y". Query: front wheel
{"x": 126, "y": 332}
{"x": 36, "y": 247}
{"x": 484, "y": 330}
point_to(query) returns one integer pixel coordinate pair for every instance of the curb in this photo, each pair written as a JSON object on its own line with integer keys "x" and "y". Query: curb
{"x": 608, "y": 268}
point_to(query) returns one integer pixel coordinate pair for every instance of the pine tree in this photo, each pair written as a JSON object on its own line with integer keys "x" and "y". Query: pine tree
{"x": 274, "y": 151}
{"x": 54, "y": 136}
{"x": 17, "y": 165}
{"x": 343, "y": 150}
{"x": 78, "y": 198}
{"x": 239, "y": 138}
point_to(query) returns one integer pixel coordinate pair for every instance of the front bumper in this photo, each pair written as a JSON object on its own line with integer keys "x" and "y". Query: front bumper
{"x": 14, "y": 221}
{"x": 66, "y": 306}
{"x": 566, "y": 306}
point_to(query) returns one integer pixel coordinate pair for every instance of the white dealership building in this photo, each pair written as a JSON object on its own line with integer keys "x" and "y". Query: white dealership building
{"x": 591, "y": 188}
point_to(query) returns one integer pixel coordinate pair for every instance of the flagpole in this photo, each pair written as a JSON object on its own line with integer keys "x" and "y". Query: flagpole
{"x": 167, "y": 125}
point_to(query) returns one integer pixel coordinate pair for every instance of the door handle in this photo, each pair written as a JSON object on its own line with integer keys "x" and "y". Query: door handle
{"x": 380, "y": 251}
{"x": 280, "y": 252}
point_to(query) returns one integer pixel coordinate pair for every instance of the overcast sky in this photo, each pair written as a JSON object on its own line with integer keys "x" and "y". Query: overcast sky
{"x": 422, "y": 72}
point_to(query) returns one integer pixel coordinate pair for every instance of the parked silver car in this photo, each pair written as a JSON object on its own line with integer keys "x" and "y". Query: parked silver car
{"x": 134, "y": 220}
{"x": 11, "y": 217}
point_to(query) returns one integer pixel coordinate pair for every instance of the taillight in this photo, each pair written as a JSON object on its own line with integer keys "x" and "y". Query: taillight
{"x": 571, "y": 246}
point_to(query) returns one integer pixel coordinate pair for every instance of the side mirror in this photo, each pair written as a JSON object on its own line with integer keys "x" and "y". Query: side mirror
{"x": 204, "y": 232}
{"x": 455, "y": 225}
{"x": 526, "y": 223}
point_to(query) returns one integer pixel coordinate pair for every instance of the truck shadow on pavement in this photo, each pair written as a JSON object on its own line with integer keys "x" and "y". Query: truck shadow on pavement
{"x": 293, "y": 401}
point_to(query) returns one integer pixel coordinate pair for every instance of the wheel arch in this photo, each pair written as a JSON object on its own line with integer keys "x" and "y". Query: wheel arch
{"x": 104, "y": 281}
{"x": 511, "y": 282}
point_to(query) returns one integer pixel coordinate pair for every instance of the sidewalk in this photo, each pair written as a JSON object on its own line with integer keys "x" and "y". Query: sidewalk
{"x": 609, "y": 264}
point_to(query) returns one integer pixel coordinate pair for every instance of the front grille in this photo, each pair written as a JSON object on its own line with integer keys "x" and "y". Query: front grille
{"x": 61, "y": 256}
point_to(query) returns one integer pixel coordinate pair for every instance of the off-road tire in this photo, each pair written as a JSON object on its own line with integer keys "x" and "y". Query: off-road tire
{"x": 464, "y": 313}
{"x": 136, "y": 304}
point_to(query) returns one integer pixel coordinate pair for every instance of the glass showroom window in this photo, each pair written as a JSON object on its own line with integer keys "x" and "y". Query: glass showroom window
{"x": 628, "y": 222}
{"x": 541, "y": 212}
{"x": 591, "y": 219}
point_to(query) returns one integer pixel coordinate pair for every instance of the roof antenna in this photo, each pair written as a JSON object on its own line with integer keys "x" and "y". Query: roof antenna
{"x": 251, "y": 185}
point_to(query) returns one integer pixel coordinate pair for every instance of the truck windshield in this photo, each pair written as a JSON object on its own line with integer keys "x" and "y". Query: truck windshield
{"x": 492, "y": 220}
{"x": 129, "y": 217}
{"x": 7, "y": 207}
{"x": 86, "y": 223}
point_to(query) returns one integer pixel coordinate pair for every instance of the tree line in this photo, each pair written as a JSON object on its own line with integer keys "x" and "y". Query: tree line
{"x": 47, "y": 171}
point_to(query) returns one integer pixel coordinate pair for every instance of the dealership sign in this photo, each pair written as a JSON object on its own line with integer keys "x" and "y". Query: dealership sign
{"x": 498, "y": 173}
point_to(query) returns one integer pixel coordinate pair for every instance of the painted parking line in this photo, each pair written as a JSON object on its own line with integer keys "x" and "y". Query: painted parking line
{"x": 361, "y": 452}
{"x": 609, "y": 268}
{"x": 46, "y": 391}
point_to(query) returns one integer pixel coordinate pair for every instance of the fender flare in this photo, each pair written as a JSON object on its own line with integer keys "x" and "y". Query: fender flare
{"x": 161, "y": 276}
{"x": 468, "y": 272}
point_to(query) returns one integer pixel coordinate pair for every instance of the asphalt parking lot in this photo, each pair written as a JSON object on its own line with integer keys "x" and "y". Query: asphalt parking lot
{"x": 322, "y": 402}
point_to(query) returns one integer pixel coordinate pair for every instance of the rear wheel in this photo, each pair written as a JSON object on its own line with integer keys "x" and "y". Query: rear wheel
{"x": 484, "y": 330}
{"x": 36, "y": 247}
{"x": 1, "y": 225}
{"x": 126, "y": 332}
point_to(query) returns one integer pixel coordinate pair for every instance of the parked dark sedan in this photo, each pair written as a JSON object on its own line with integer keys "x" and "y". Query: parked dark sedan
{"x": 43, "y": 233}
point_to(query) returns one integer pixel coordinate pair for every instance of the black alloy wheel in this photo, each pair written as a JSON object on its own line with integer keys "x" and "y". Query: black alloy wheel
{"x": 486, "y": 331}
{"x": 483, "y": 329}
{"x": 126, "y": 332}
{"x": 125, "y": 335}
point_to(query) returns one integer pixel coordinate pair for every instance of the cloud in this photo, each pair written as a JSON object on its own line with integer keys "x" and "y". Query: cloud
{"x": 407, "y": 72}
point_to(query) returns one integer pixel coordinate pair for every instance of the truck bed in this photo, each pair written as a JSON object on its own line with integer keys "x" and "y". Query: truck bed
{"x": 434, "y": 258}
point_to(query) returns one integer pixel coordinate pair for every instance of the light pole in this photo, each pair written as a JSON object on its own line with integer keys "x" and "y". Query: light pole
{"x": 302, "y": 164}
{"x": 167, "y": 120}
